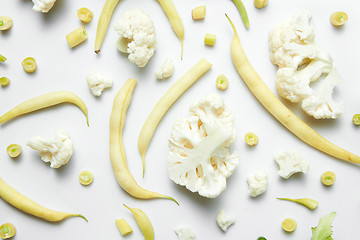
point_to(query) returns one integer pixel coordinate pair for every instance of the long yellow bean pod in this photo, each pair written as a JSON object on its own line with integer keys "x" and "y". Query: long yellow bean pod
{"x": 175, "y": 20}
{"x": 166, "y": 101}
{"x": 25, "y": 204}
{"x": 117, "y": 151}
{"x": 104, "y": 21}
{"x": 44, "y": 101}
{"x": 278, "y": 109}
{"x": 143, "y": 222}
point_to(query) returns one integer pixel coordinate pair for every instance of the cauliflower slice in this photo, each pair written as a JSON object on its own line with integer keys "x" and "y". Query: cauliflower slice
{"x": 97, "y": 82}
{"x": 185, "y": 233}
{"x": 137, "y": 30}
{"x": 322, "y": 105}
{"x": 290, "y": 162}
{"x": 199, "y": 157}
{"x": 224, "y": 221}
{"x": 56, "y": 150}
{"x": 258, "y": 183}
{"x": 165, "y": 70}
{"x": 43, "y": 6}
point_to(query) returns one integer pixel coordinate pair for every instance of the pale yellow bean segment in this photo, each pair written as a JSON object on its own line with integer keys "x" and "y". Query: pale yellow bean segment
{"x": 209, "y": 39}
{"x": 260, "y": 3}
{"x": 7, "y": 231}
{"x": 222, "y": 82}
{"x": 199, "y": 13}
{"x": 44, "y": 101}
{"x": 117, "y": 151}
{"x": 143, "y": 222}
{"x": 289, "y": 224}
{"x": 166, "y": 101}
{"x": 14, "y": 150}
{"x": 4, "y": 81}
{"x": 85, "y": 14}
{"x": 294, "y": 124}
{"x": 29, "y": 65}
{"x": 76, "y": 37}
{"x": 25, "y": 204}
{"x": 338, "y": 18}
{"x": 328, "y": 178}
{"x": 123, "y": 226}
{"x": 5, "y": 23}
{"x": 86, "y": 178}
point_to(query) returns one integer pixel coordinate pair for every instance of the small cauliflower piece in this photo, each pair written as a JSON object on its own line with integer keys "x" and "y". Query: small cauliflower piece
{"x": 43, "y": 6}
{"x": 56, "y": 150}
{"x": 137, "y": 31}
{"x": 290, "y": 162}
{"x": 185, "y": 233}
{"x": 258, "y": 183}
{"x": 97, "y": 82}
{"x": 322, "y": 105}
{"x": 199, "y": 157}
{"x": 224, "y": 221}
{"x": 166, "y": 69}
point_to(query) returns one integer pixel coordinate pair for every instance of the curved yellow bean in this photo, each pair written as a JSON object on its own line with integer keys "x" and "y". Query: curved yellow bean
{"x": 143, "y": 222}
{"x": 104, "y": 21}
{"x": 278, "y": 109}
{"x": 44, "y": 101}
{"x": 25, "y": 204}
{"x": 166, "y": 101}
{"x": 175, "y": 20}
{"x": 117, "y": 151}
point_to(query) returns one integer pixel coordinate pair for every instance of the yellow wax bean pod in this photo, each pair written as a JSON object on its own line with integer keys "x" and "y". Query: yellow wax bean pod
{"x": 25, "y": 204}
{"x": 166, "y": 101}
{"x": 123, "y": 227}
{"x": 286, "y": 117}
{"x": 117, "y": 152}
{"x": 143, "y": 222}
{"x": 44, "y": 101}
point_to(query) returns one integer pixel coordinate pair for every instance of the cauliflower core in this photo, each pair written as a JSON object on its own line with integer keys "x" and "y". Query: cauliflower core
{"x": 290, "y": 162}
{"x": 165, "y": 70}
{"x": 224, "y": 221}
{"x": 97, "y": 82}
{"x": 56, "y": 150}
{"x": 199, "y": 157}
{"x": 137, "y": 31}
{"x": 258, "y": 183}
{"x": 301, "y": 61}
{"x": 43, "y": 6}
{"x": 185, "y": 233}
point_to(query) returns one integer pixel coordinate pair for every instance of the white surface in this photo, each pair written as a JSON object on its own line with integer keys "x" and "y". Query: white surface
{"x": 42, "y": 36}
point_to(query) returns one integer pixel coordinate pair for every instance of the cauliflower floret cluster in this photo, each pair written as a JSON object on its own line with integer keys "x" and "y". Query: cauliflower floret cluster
{"x": 199, "y": 157}
{"x": 137, "y": 31}
{"x": 56, "y": 150}
{"x": 290, "y": 162}
{"x": 258, "y": 183}
{"x": 185, "y": 233}
{"x": 97, "y": 82}
{"x": 301, "y": 61}
{"x": 43, "y": 6}
{"x": 166, "y": 69}
{"x": 224, "y": 220}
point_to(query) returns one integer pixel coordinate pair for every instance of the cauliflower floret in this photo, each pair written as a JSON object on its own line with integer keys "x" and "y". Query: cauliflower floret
{"x": 97, "y": 82}
{"x": 43, "y": 5}
{"x": 290, "y": 162}
{"x": 166, "y": 69}
{"x": 199, "y": 157}
{"x": 258, "y": 183}
{"x": 137, "y": 30}
{"x": 56, "y": 150}
{"x": 300, "y": 61}
{"x": 322, "y": 105}
{"x": 224, "y": 221}
{"x": 185, "y": 233}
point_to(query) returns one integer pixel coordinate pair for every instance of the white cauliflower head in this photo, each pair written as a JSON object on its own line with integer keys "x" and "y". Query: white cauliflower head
{"x": 322, "y": 105}
{"x": 199, "y": 157}
{"x": 290, "y": 162}
{"x": 258, "y": 183}
{"x": 224, "y": 220}
{"x": 137, "y": 30}
{"x": 97, "y": 82}
{"x": 43, "y": 6}
{"x": 300, "y": 61}
{"x": 56, "y": 150}
{"x": 185, "y": 233}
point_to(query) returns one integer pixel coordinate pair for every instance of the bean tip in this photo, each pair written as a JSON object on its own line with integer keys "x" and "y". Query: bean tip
{"x": 97, "y": 51}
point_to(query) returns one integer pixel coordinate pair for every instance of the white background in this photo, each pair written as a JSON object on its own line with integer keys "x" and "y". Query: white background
{"x": 42, "y": 36}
